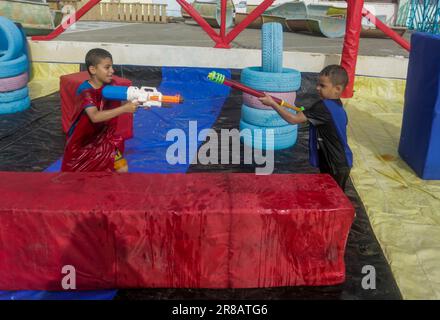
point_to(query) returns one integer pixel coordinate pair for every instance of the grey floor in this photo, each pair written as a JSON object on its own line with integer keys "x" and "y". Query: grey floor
{"x": 190, "y": 34}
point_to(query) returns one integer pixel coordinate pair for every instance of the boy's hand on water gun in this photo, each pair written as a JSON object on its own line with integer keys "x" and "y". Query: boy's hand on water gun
{"x": 267, "y": 100}
{"x": 131, "y": 106}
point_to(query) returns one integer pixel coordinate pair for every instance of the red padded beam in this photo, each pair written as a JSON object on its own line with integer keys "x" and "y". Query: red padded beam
{"x": 171, "y": 230}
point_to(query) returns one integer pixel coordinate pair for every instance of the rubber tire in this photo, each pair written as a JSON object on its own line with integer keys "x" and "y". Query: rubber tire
{"x": 272, "y": 47}
{"x": 25, "y": 47}
{"x": 14, "y": 83}
{"x": 15, "y": 106}
{"x": 25, "y": 50}
{"x": 284, "y": 137}
{"x": 263, "y": 118}
{"x": 12, "y": 68}
{"x": 12, "y": 96}
{"x": 288, "y": 80}
{"x": 10, "y": 34}
{"x": 253, "y": 102}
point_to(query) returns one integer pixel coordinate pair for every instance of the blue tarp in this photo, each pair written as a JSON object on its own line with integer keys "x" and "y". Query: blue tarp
{"x": 146, "y": 152}
{"x": 58, "y": 295}
{"x": 203, "y": 100}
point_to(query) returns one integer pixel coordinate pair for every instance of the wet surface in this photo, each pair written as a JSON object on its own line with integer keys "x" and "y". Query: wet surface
{"x": 32, "y": 140}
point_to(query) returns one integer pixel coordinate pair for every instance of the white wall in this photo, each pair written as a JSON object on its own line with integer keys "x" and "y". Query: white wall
{"x": 157, "y": 55}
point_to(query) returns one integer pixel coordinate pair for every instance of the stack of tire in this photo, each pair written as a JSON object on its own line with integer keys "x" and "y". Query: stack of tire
{"x": 14, "y": 67}
{"x": 277, "y": 81}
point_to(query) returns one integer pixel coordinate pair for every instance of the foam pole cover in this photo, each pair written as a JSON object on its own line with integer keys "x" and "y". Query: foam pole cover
{"x": 351, "y": 42}
{"x": 115, "y": 93}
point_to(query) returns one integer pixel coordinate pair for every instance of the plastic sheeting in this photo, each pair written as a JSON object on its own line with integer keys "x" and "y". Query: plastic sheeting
{"x": 203, "y": 100}
{"x": 402, "y": 208}
{"x": 30, "y": 141}
{"x": 45, "y": 77}
{"x": 174, "y": 230}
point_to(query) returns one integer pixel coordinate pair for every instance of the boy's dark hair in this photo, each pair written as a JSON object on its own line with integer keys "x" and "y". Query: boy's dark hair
{"x": 336, "y": 74}
{"x": 94, "y": 57}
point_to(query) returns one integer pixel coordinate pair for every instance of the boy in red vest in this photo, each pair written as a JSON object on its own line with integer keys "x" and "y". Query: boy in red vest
{"x": 92, "y": 144}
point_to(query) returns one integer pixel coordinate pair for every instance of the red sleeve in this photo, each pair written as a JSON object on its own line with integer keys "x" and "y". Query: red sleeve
{"x": 87, "y": 99}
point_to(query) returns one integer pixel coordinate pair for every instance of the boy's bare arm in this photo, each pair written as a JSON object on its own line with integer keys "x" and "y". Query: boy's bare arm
{"x": 289, "y": 117}
{"x": 100, "y": 116}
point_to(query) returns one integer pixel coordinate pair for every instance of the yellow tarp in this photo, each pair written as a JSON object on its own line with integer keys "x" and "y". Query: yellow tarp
{"x": 45, "y": 77}
{"x": 404, "y": 210}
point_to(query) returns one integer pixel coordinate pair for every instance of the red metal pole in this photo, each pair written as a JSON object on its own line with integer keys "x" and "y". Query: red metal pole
{"x": 221, "y": 40}
{"x": 351, "y": 42}
{"x": 202, "y": 22}
{"x": 251, "y": 17}
{"x": 70, "y": 20}
{"x": 223, "y": 43}
{"x": 223, "y": 18}
{"x": 387, "y": 30}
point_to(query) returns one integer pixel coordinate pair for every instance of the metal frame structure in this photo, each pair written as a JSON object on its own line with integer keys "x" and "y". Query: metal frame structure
{"x": 355, "y": 11}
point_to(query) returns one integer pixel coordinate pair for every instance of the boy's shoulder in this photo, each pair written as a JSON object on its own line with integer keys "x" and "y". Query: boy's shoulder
{"x": 83, "y": 86}
{"x": 332, "y": 104}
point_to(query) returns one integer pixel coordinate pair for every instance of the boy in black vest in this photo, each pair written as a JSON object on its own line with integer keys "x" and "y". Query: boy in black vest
{"x": 328, "y": 147}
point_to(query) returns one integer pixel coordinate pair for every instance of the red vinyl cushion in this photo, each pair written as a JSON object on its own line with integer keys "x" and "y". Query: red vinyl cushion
{"x": 175, "y": 230}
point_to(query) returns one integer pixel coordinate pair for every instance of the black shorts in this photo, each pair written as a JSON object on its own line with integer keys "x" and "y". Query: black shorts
{"x": 340, "y": 174}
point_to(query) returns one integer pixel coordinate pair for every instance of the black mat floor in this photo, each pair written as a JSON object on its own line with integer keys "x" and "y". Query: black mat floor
{"x": 32, "y": 140}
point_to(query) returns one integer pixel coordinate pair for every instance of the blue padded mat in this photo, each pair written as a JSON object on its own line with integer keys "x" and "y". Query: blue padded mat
{"x": 420, "y": 136}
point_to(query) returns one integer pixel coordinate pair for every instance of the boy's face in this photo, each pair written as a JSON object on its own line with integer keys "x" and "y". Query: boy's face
{"x": 327, "y": 90}
{"x": 103, "y": 71}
